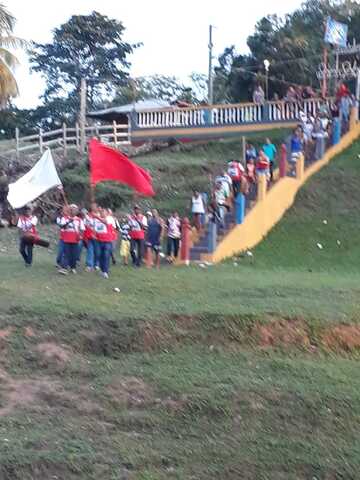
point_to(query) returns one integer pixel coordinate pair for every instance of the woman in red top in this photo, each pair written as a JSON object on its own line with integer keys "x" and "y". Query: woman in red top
{"x": 263, "y": 165}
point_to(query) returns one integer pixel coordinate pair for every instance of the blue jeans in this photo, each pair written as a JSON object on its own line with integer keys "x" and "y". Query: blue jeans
{"x": 60, "y": 259}
{"x": 80, "y": 249}
{"x": 90, "y": 253}
{"x": 105, "y": 250}
{"x": 26, "y": 250}
{"x": 71, "y": 255}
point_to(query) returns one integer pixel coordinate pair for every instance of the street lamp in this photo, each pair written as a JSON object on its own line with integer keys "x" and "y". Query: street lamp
{"x": 267, "y": 66}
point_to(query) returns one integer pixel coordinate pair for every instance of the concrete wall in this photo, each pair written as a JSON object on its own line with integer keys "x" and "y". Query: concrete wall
{"x": 267, "y": 213}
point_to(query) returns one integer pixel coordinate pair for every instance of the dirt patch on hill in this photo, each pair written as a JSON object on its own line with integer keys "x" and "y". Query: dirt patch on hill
{"x": 342, "y": 337}
{"x": 39, "y": 394}
{"x": 131, "y": 392}
{"x": 282, "y": 333}
{"x": 52, "y": 354}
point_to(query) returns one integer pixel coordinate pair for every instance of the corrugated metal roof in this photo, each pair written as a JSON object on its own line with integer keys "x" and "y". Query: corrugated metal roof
{"x": 151, "y": 104}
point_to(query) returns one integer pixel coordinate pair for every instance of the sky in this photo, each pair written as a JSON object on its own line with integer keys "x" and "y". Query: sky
{"x": 174, "y": 34}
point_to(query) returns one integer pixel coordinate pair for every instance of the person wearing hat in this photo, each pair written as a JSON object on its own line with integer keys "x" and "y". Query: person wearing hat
{"x": 27, "y": 229}
{"x": 138, "y": 224}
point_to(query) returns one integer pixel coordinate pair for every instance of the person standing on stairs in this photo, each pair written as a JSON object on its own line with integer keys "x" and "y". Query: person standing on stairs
{"x": 235, "y": 172}
{"x": 220, "y": 198}
{"x": 197, "y": 209}
{"x": 270, "y": 151}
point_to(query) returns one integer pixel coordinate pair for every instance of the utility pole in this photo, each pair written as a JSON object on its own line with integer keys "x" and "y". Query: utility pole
{"x": 210, "y": 80}
{"x": 82, "y": 115}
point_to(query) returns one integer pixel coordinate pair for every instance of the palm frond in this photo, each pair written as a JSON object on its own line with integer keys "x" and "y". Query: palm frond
{"x": 9, "y": 58}
{"x": 9, "y": 41}
{"x": 7, "y": 21}
{"x": 8, "y": 84}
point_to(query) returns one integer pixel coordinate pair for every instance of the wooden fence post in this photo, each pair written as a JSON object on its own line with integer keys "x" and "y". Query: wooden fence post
{"x": 17, "y": 141}
{"x": 115, "y": 132}
{"x": 41, "y": 143}
{"x": 64, "y": 140}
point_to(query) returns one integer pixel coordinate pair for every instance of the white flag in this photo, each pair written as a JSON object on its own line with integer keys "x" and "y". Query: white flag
{"x": 37, "y": 181}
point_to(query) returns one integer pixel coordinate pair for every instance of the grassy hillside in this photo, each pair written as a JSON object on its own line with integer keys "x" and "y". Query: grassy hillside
{"x": 246, "y": 370}
{"x": 325, "y": 212}
{"x": 176, "y": 172}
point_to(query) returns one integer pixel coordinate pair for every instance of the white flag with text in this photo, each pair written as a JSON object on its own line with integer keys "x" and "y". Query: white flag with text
{"x": 41, "y": 178}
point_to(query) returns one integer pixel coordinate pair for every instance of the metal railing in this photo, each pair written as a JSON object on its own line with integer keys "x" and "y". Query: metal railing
{"x": 230, "y": 114}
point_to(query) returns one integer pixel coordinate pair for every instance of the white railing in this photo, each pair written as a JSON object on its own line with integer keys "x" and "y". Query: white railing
{"x": 222, "y": 115}
{"x": 66, "y": 138}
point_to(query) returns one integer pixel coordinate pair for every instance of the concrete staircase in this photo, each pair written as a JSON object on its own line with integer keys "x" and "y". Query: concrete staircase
{"x": 200, "y": 249}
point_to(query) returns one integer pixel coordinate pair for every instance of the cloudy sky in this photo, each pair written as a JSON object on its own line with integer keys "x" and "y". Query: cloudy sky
{"x": 174, "y": 34}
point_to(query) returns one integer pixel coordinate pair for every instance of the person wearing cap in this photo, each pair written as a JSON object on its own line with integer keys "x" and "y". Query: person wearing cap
{"x": 27, "y": 229}
{"x": 72, "y": 228}
{"x": 138, "y": 224}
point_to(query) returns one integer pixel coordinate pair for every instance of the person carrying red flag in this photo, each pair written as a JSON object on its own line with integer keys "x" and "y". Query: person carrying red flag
{"x": 104, "y": 226}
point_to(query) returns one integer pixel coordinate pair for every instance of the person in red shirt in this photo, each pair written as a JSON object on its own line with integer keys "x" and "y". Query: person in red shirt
{"x": 104, "y": 226}
{"x": 263, "y": 165}
{"x": 27, "y": 228}
{"x": 71, "y": 230}
{"x": 90, "y": 239}
{"x": 138, "y": 225}
{"x": 235, "y": 171}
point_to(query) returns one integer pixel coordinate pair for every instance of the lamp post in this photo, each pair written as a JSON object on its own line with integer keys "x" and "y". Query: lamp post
{"x": 267, "y": 66}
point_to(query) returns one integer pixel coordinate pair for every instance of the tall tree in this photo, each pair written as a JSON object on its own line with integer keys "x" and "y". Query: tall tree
{"x": 293, "y": 45}
{"x": 87, "y": 46}
{"x": 8, "y": 61}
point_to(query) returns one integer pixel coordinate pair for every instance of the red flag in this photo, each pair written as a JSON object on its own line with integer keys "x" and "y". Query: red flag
{"x": 109, "y": 164}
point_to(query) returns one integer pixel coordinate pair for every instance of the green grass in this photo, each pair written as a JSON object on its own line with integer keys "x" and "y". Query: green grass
{"x": 175, "y": 171}
{"x": 232, "y": 371}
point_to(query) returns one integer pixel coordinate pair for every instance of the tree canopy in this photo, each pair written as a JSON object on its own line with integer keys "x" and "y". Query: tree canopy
{"x": 292, "y": 44}
{"x": 87, "y": 46}
{"x": 8, "y": 61}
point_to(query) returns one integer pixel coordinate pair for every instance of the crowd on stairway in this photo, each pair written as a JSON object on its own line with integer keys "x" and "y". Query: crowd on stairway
{"x": 97, "y": 237}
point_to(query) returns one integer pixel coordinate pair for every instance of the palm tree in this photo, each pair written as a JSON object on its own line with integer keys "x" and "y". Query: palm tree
{"x": 8, "y": 61}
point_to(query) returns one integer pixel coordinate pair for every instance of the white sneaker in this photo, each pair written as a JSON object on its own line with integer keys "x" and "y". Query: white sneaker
{"x": 73, "y": 271}
{"x": 62, "y": 271}
{"x": 104, "y": 275}
{"x": 89, "y": 269}
{"x": 97, "y": 268}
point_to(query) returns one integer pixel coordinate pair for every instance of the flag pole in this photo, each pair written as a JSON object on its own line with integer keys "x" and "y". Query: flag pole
{"x": 63, "y": 194}
{"x": 324, "y": 85}
{"x": 92, "y": 193}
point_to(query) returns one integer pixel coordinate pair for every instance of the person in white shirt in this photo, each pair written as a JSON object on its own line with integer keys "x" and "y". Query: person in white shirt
{"x": 197, "y": 209}
{"x": 27, "y": 229}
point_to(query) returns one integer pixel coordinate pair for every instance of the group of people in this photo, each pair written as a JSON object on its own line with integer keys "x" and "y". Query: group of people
{"x": 315, "y": 131}
{"x": 100, "y": 233}
{"x": 234, "y": 179}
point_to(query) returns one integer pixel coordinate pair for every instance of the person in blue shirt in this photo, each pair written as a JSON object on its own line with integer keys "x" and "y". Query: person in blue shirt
{"x": 250, "y": 153}
{"x": 270, "y": 151}
{"x": 153, "y": 235}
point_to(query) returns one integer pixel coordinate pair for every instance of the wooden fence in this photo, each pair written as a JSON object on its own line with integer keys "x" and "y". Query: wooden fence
{"x": 67, "y": 138}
